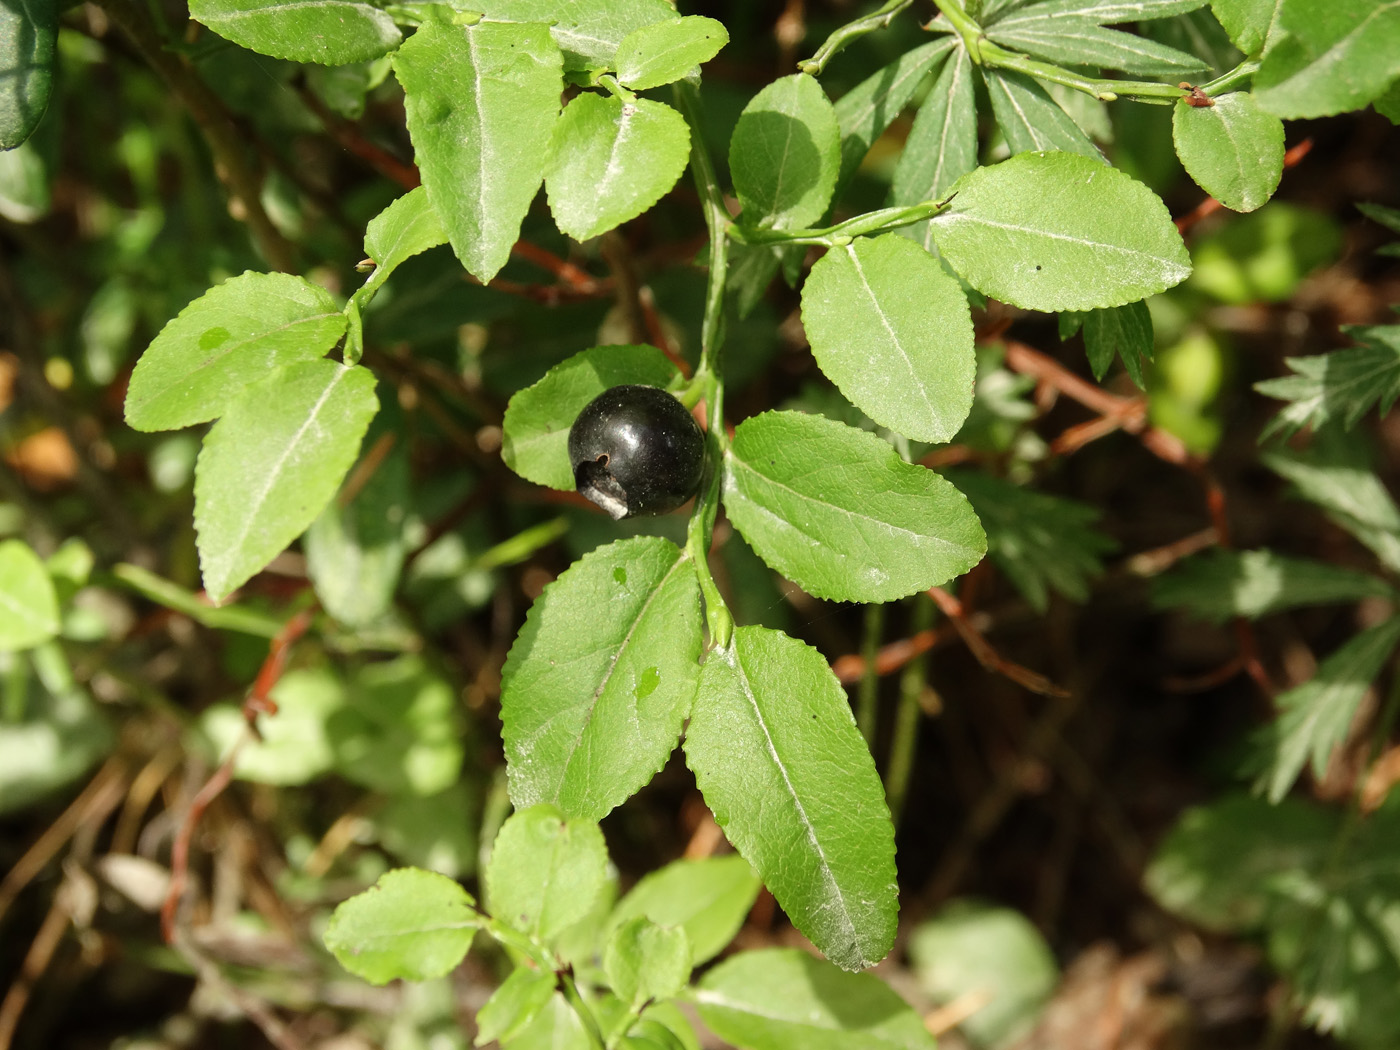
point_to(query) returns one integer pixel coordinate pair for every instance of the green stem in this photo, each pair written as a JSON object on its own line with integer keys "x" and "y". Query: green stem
{"x": 881, "y": 221}
{"x": 1230, "y": 81}
{"x": 868, "y": 695}
{"x": 912, "y": 682}
{"x": 590, "y": 1023}
{"x": 879, "y": 19}
{"x": 708, "y": 379}
{"x": 983, "y": 52}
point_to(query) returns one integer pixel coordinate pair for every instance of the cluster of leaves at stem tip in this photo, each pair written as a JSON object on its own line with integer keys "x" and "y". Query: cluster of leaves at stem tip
{"x": 634, "y": 641}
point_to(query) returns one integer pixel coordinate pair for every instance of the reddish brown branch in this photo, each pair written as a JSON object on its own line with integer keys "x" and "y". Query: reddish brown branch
{"x": 258, "y": 702}
{"x": 986, "y": 655}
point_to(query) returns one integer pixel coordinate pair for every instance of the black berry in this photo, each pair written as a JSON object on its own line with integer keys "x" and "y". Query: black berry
{"x": 636, "y": 450}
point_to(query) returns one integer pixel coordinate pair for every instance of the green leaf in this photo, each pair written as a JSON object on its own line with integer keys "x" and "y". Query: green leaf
{"x": 52, "y": 732}
{"x": 1079, "y": 41}
{"x": 709, "y": 898}
{"x": 893, "y": 331}
{"x": 1264, "y": 255}
{"x": 538, "y": 418}
{"x": 780, "y": 998}
{"x": 864, "y": 112}
{"x": 1328, "y": 902}
{"x": 227, "y": 339}
{"x": 645, "y": 961}
{"x": 401, "y": 732}
{"x": 1041, "y": 542}
{"x": 1340, "y": 385}
{"x": 331, "y": 32}
{"x": 396, "y": 234}
{"x": 610, "y": 160}
{"x": 993, "y": 953}
{"x": 1032, "y": 120}
{"x": 25, "y": 195}
{"x": 1233, "y": 149}
{"x": 601, "y": 676}
{"x": 1350, "y": 494}
{"x": 271, "y": 464}
{"x": 1054, "y": 231}
{"x": 1116, "y": 330}
{"x": 942, "y": 143}
{"x": 777, "y": 755}
{"x": 1315, "y": 717}
{"x": 513, "y": 1005}
{"x": 1387, "y": 217}
{"x": 1104, "y": 12}
{"x": 588, "y": 31}
{"x": 837, "y": 511}
{"x": 1251, "y": 24}
{"x": 785, "y": 155}
{"x": 355, "y": 551}
{"x": 411, "y": 924}
{"x": 545, "y": 871}
{"x": 481, "y": 103}
{"x": 296, "y": 746}
{"x": 556, "y": 1027}
{"x": 1219, "y": 585}
{"x": 28, "y": 601}
{"x": 1335, "y": 56}
{"x": 1387, "y": 104}
{"x": 28, "y": 31}
{"x": 667, "y": 51}
{"x": 437, "y": 832}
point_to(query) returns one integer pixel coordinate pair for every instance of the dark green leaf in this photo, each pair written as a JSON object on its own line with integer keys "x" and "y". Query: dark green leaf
{"x": 411, "y": 924}
{"x": 1032, "y": 120}
{"x": 865, "y": 111}
{"x": 1220, "y": 584}
{"x": 481, "y": 103}
{"x": 28, "y": 601}
{"x": 1055, "y": 231}
{"x": 893, "y": 331}
{"x": 1315, "y": 717}
{"x": 1334, "y": 56}
{"x": 785, "y": 154}
{"x": 545, "y": 871}
{"x": 777, "y": 755}
{"x": 709, "y": 898}
{"x": 942, "y": 144}
{"x": 228, "y": 338}
{"x": 1328, "y": 902}
{"x": 28, "y": 30}
{"x": 588, "y": 31}
{"x": 1387, "y": 217}
{"x": 667, "y": 51}
{"x": 1082, "y": 42}
{"x": 993, "y": 953}
{"x": 273, "y": 462}
{"x": 331, "y": 32}
{"x": 538, "y": 418}
{"x": 1233, "y": 149}
{"x": 1041, "y": 542}
{"x": 1340, "y": 385}
{"x": 601, "y": 676}
{"x": 781, "y": 998}
{"x": 609, "y": 161}
{"x": 1125, "y": 330}
{"x": 1104, "y": 12}
{"x": 838, "y": 512}
{"x": 1351, "y": 495}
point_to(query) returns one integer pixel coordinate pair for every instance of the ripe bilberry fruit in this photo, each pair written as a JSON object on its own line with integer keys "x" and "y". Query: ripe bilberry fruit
{"x": 636, "y": 450}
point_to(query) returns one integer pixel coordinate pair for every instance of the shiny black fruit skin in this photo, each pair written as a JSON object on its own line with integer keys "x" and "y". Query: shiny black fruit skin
{"x": 635, "y": 450}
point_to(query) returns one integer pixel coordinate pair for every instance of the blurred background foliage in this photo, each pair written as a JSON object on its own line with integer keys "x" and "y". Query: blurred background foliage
{"x": 1030, "y": 817}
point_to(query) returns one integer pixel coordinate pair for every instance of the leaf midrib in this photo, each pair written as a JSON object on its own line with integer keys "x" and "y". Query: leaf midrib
{"x": 731, "y": 657}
